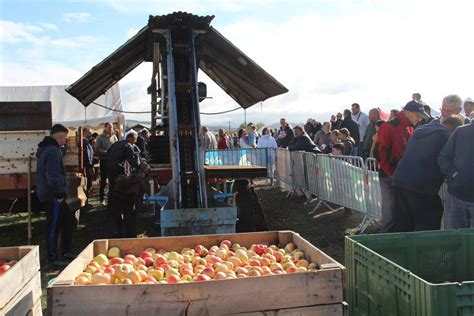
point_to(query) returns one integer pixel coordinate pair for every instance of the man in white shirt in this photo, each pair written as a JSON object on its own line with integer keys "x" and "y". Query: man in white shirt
{"x": 363, "y": 121}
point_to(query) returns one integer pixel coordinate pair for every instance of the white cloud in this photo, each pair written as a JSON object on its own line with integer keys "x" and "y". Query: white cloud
{"x": 42, "y": 72}
{"x": 72, "y": 42}
{"x": 12, "y": 32}
{"x": 79, "y": 17}
{"x": 49, "y": 26}
{"x": 375, "y": 57}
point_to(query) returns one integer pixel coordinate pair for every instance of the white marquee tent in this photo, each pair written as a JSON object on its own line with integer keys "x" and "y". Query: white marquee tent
{"x": 66, "y": 109}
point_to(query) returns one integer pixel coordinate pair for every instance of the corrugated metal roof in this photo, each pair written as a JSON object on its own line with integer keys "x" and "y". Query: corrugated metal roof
{"x": 238, "y": 75}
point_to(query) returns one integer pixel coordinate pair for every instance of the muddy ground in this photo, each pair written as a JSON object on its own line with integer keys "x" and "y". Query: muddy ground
{"x": 324, "y": 228}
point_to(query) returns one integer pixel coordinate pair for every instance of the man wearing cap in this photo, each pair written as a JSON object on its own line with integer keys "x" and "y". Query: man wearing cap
{"x": 418, "y": 178}
{"x": 392, "y": 141}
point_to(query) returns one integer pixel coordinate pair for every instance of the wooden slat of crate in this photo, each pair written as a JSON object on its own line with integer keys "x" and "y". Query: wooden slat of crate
{"x": 213, "y": 297}
{"x": 26, "y": 301}
{"x": 21, "y": 273}
{"x": 315, "y": 310}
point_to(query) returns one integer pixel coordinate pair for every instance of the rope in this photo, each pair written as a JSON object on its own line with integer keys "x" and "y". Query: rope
{"x": 148, "y": 112}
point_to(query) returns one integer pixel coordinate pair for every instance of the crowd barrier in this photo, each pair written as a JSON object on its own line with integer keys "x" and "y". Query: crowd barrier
{"x": 242, "y": 157}
{"x": 347, "y": 181}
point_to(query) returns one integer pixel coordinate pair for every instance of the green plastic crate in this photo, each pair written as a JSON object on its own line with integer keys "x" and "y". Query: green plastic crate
{"x": 411, "y": 274}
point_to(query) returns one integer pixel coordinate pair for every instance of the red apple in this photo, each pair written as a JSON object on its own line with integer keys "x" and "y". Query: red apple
{"x": 260, "y": 249}
{"x": 203, "y": 277}
{"x": 146, "y": 254}
{"x": 209, "y": 271}
{"x": 226, "y": 242}
{"x": 201, "y": 250}
{"x": 4, "y": 268}
{"x": 109, "y": 270}
{"x": 173, "y": 279}
{"x": 116, "y": 260}
{"x": 160, "y": 259}
{"x": 149, "y": 261}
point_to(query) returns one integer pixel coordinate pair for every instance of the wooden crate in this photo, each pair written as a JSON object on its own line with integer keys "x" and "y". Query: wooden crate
{"x": 20, "y": 287}
{"x": 265, "y": 295}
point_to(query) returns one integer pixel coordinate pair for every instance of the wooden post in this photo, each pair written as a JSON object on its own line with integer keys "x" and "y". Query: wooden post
{"x": 29, "y": 200}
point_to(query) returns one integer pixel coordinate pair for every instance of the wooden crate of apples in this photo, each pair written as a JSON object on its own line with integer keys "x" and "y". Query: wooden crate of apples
{"x": 20, "y": 281}
{"x": 251, "y": 272}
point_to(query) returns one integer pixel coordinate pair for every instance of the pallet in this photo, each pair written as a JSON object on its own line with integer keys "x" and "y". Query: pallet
{"x": 248, "y": 295}
{"x": 20, "y": 287}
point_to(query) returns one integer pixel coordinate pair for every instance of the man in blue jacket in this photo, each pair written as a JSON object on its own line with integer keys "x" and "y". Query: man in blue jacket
{"x": 418, "y": 178}
{"x": 456, "y": 161}
{"x": 52, "y": 190}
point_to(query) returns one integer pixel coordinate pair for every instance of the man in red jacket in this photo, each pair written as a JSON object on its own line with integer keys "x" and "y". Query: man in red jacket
{"x": 392, "y": 141}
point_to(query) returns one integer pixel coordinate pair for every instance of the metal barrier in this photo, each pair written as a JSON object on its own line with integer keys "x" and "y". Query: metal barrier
{"x": 242, "y": 157}
{"x": 284, "y": 168}
{"x": 311, "y": 173}
{"x": 341, "y": 181}
{"x": 299, "y": 170}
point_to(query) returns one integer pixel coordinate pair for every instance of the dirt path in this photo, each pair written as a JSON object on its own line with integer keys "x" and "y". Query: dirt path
{"x": 324, "y": 228}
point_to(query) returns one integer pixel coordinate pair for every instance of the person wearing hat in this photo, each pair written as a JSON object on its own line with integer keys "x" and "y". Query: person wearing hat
{"x": 392, "y": 141}
{"x": 417, "y": 178}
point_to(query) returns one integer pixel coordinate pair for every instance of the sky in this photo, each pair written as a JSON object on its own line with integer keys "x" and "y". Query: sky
{"x": 328, "y": 53}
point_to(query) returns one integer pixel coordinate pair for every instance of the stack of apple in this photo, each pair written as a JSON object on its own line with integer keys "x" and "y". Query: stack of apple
{"x": 6, "y": 265}
{"x": 226, "y": 261}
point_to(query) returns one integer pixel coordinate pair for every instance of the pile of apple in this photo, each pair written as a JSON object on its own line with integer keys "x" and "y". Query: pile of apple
{"x": 5, "y": 265}
{"x": 227, "y": 261}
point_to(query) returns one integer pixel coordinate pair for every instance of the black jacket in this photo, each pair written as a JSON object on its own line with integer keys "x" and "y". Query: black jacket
{"x": 142, "y": 144}
{"x": 50, "y": 173}
{"x": 336, "y": 125}
{"x": 117, "y": 154}
{"x": 418, "y": 169}
{"x": 369, "y": 133}
{"x": 303, "y": 143}
{"x": 457, "y": 156}
{"x": 353, "y": 128}
{"x": 285, "y": 136}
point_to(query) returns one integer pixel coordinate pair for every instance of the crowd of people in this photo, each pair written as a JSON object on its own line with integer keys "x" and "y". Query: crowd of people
{"x": 415, "y": 152}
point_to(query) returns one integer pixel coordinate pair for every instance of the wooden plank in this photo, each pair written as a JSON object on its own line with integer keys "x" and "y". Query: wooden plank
{"x": 68, "y": 275}
{"x": 315, "y": 310}
{"x": 24, "y": 302}
{"x": 21, "y": 273}
{"x": 212, "y": 297}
